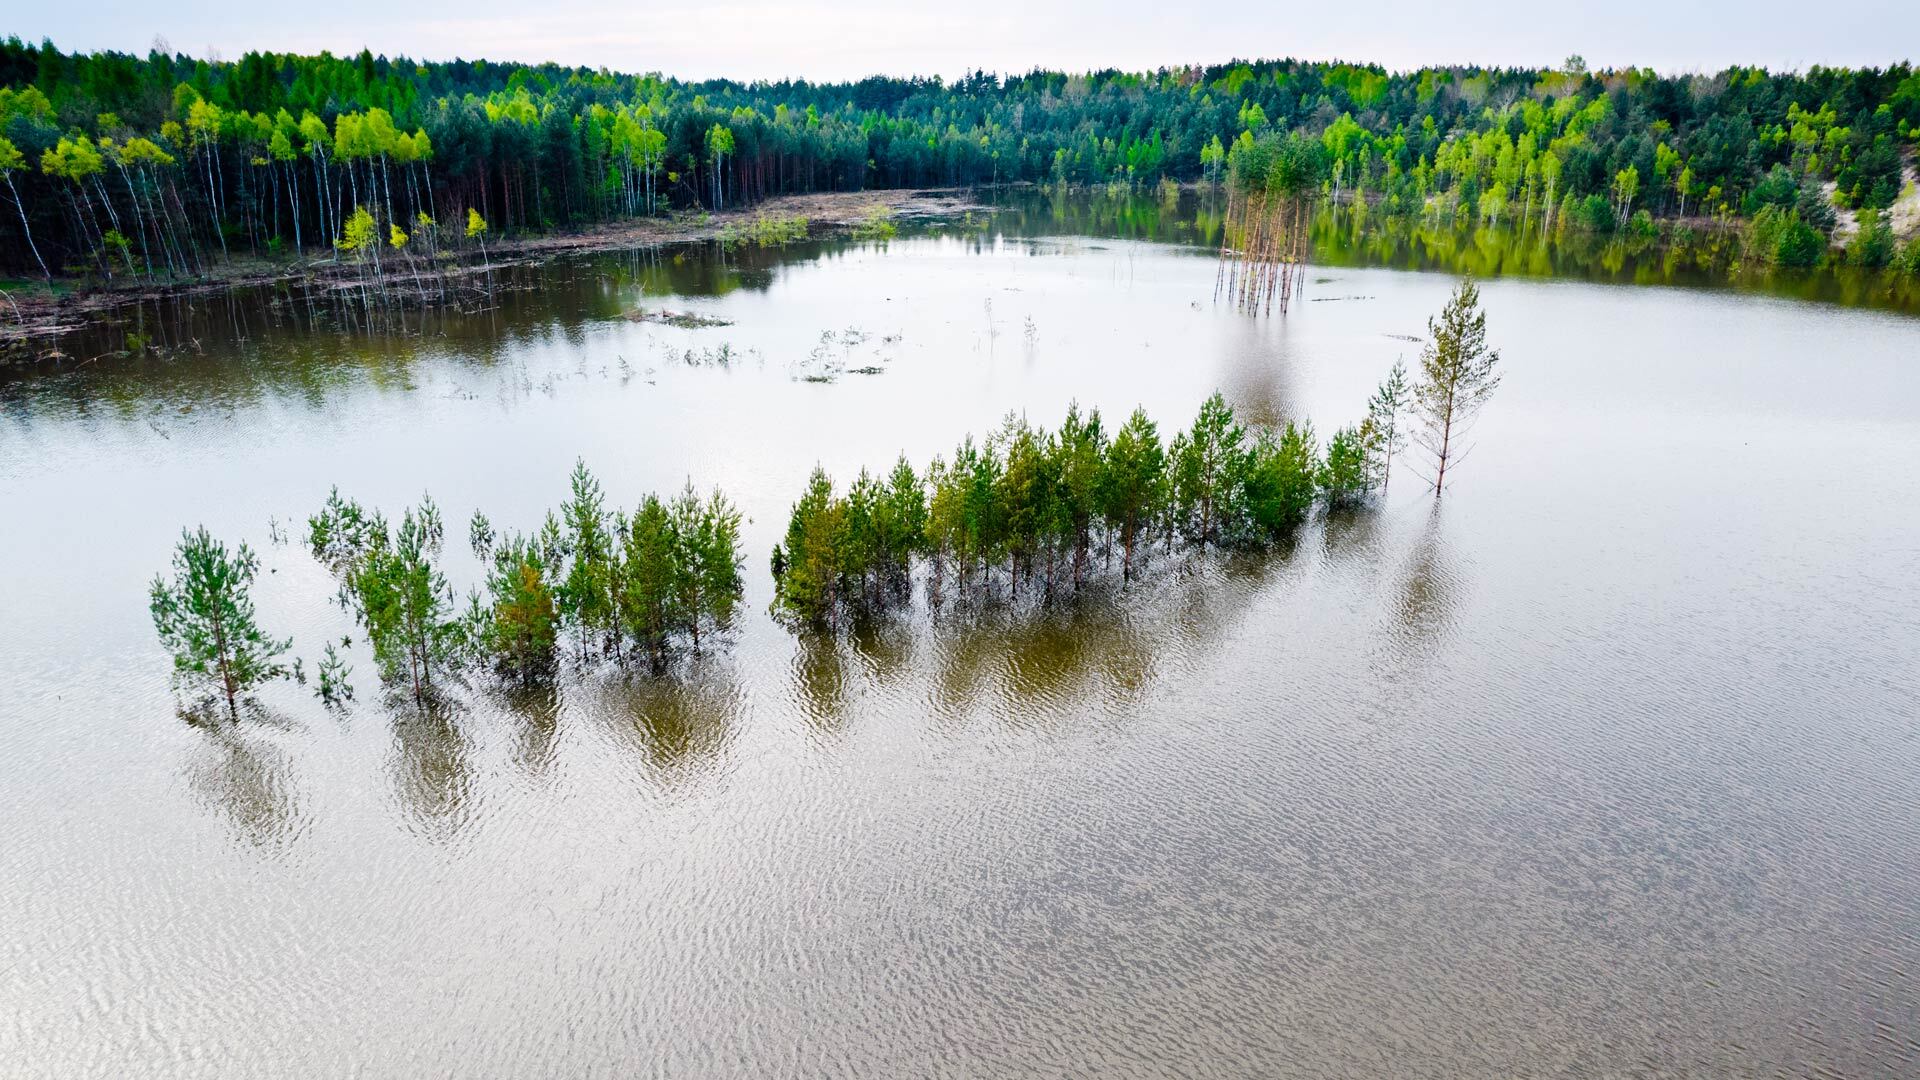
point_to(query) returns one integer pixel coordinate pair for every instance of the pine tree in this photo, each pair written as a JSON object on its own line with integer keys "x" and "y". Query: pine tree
{"x": 705, "y": 561}
{"x": 1280, "y": 481}
{"x": 585, "y": 597}
{"x": 1386, "y": 415}
{"x": 1343, "y": 476}
{"x": 1457, "y": 377}
{"x": 334, "y": 688}
{"x": 809, "y": 588}
{"x": 205, "y": 619}
{"x": 650, "y": 608}
{"x": 520, "y": 625}
{"x": 1134, "y": 484}
{"x": 1201, "y": 466}
{"x": 1082, "y": 448}
{"x": 402, "y": 598}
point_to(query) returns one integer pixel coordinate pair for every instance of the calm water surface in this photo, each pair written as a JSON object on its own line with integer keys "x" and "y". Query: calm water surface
{"x": 1608, "y": 766}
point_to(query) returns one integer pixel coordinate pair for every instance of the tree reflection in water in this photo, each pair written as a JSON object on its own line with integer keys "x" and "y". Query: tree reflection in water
{"x": 430, "y": 766}
{"x": 249, "y": 780}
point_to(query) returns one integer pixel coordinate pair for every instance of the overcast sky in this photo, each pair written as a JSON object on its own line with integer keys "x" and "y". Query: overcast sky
{"x": 828, "y": 40}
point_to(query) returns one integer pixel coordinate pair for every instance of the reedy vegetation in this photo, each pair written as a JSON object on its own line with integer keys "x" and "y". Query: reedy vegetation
{"x": 156, "y": 164}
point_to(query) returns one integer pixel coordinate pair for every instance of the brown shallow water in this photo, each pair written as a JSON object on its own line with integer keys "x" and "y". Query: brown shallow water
{"x": 1608, "y": 766}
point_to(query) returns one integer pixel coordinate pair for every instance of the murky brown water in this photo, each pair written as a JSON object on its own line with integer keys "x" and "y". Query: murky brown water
{"x": 1609, "y": 766}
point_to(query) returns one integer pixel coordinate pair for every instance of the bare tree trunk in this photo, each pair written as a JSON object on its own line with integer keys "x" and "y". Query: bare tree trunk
{"x": 28, "y": 229}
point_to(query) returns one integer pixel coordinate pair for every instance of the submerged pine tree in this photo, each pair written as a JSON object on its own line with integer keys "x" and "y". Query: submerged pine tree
{"x": 518, "y": 624}
{"x": 1457, "y": 377}
{"x": 391, "y": 580}
{"x": 1386, "y": 423}
{"x": 205, "y": 619}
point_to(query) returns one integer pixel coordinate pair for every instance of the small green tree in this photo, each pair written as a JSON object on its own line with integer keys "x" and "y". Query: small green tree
{"x": 1344, "y": 476}
{"x": 205, "y": 619}
{"x": 1201, "y": 464}
{"x": 650, "y": 603}
{"x": 334, "y": 689}
{"x": 586, "y": 595}
{"x": 1386, "y": 421}
{"x": 808, "y": 585}
{"x": 903, "y": 521}
{"x": 1135, "y": 483}
{"x": 1281, "y": 478}
{"x": 477, "y": 230}
{"x": 361, "y": 237}
{"x": 394, "y": 586}
{"x": 705, "y": 556}
{"x": 1873, "y": 246}
{"x": 520, "y": 625}
{"x": 1082, "y": 446}
{"x": 1457, "y": 376}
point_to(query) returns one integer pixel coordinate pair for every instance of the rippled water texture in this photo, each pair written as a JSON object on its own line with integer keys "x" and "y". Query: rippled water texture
{"x": 1608, "y": 766}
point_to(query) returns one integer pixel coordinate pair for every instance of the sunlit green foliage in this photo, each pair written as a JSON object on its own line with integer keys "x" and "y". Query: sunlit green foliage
{"x": 1033, "y": 508}
{"x": 616, "y": 585}
{"x": 765, "y": 230}
{"x": 1777, "y": 237}
{"x": 268, "y": 149}
{"x": 876, "y": 224}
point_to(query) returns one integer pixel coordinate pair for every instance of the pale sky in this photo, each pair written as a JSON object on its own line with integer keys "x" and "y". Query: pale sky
{"x": 745, "y": 39}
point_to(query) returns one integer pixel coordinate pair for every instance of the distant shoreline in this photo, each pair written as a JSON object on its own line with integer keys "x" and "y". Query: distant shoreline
{"x": 27, "y": 317}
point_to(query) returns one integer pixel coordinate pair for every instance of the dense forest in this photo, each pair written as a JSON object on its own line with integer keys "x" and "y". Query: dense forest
{"x": 118, "y": 164}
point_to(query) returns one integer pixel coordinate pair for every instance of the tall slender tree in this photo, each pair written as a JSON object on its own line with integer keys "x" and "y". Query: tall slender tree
{"x": 1386, "y": 417}
{"x": 12, "y": 161}
{"x": 1135, "y": 483}
{"x": 1457, "y": 376}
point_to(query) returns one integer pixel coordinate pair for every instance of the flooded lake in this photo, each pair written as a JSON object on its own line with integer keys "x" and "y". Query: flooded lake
{"x": 1607, "y": 764}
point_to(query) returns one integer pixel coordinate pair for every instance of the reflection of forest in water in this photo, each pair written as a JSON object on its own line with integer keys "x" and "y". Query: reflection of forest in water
{"x": 302, "y": 339}
{"x": 1352, "y": 237}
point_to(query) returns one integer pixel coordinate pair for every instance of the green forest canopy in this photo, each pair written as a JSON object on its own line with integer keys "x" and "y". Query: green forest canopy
{"x": 245, "y": 152}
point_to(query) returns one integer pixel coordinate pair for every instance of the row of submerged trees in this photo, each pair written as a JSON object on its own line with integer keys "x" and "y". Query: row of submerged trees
{"x": 203, "y": 156}
{"x": 1046, "y": 510}
{"x": 591, "y": 583}
{"x": 1038, "y": 509}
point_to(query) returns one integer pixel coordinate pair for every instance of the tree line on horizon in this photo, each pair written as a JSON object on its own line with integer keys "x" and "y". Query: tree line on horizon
{"x": 156, "y": 165}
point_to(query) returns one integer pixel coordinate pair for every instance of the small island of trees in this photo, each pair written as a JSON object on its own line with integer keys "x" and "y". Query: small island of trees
{"x": 591, "y": 585}
{"x": 1025, "y": 507}
{"x": 1045, "y": 510}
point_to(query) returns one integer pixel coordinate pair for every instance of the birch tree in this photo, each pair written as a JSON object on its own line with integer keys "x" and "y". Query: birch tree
{"x": 12, "y": 161}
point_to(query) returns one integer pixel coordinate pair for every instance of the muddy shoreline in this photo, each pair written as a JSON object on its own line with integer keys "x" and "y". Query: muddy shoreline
{"x": 31, "y": 320}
